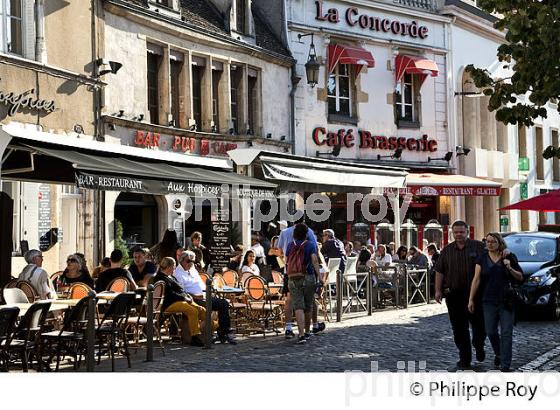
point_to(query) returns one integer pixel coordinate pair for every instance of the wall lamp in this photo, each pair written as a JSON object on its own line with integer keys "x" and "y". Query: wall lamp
{"x": 396, "y": 155}
{"x": 312, "y": 66}
{"x": 335, "y": 152}
{"x": 470, "y": 94}
{"x": 106, "y": 66}
{"x": 462, "y": 150}
{"x": 447, "y": 157}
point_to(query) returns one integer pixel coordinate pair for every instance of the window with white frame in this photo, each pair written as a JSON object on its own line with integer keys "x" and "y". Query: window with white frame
{"x": 406, "y": 99}
{"x": 11, "y": 26}
{"x": 339, "y": 90}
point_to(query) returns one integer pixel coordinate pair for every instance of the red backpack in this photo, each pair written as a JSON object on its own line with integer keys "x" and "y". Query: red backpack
{"x": 295, "y": 265}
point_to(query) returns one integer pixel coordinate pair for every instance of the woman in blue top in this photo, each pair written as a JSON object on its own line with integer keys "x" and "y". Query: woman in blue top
{"x": 495, "y": 274}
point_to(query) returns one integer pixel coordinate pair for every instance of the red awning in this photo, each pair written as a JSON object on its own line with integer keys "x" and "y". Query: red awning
{"x": 449, "y": 185}
{"x": 549, "y": 202}
{"x": 343, "y": 54}
{"x": 415, "y": 65}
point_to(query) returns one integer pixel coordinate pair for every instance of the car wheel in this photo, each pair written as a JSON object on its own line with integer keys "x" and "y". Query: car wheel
{"x": 554, "y": 305}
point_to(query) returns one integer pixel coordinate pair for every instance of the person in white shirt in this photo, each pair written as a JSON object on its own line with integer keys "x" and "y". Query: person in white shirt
{"x": 382, "y": 258}
{"x": 249, "y": 265}
{"x": 189, "y": 279}
{"x": 36, "y": 275}
{"x": 256, "y": 247}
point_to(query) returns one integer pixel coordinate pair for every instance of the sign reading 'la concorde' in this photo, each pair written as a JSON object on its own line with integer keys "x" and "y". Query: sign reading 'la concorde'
{"x": 354, "y": 18}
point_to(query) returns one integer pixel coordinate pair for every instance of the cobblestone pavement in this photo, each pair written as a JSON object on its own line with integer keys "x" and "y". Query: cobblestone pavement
{"x": 417, "y": 334}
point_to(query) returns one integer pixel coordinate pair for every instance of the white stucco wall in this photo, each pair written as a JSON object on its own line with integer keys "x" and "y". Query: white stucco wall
{"x": 376, "y": 112}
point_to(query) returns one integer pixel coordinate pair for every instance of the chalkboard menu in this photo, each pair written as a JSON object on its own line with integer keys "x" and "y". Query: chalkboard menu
{"x": 220, "y": 243}
{"x": 44, "y": 217}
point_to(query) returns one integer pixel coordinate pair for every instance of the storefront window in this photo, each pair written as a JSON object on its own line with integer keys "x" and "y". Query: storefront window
{"x": 197, "y": 95}
{"x": 176, "y": 67}
{"x": 252, "y": 100}
{"x": 240, "y": 11}
{"x": 216, "y": 76}
{"x": 405, "y": 103}
{"x": 409, "y": 233}
{"x": 11, "y": 29}
{"x": 339, "y": 91}
{"x": 235, "y": 84}
{"x": 153, "y": 87}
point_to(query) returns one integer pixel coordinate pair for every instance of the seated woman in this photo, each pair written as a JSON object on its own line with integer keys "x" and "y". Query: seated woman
{"x": 75, "y": 272}
{"x": 249, "y": 265}
{"x": 401, "y": 256}
{"x": 177, "y": 301}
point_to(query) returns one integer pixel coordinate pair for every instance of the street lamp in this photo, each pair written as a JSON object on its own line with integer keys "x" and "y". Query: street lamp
{"x": 312, "y": 66}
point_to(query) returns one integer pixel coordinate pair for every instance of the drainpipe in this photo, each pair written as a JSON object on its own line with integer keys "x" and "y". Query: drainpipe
{"x": 40, "y": 45}
{"x": 295, "y": 82}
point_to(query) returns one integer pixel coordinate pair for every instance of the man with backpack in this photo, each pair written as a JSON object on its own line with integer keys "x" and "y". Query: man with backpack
{"x": 302, "y": 268}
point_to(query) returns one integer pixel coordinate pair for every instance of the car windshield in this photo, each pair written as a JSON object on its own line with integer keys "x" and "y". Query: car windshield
{"x": 532, "y": 248}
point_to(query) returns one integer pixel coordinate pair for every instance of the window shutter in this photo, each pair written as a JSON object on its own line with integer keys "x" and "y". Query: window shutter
{"x": 28, "y": 14}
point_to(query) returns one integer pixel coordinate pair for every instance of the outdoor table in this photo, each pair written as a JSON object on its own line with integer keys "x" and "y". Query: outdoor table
{"x": 24, "y": 307}
{"x": 228, "y": 290}
{"x": 109, "y": 296}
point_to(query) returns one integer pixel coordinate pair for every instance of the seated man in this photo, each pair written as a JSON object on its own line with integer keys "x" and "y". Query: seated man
{"x": 187, "y": 276}
{"x": 177, "y": 301}
{"x": 36, "y": 275}
{"x": 142, "y": 270}
{"x": 115, "y": 271}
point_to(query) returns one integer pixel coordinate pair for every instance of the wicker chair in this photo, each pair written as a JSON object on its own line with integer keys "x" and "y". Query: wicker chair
{"x": 244, "y": 278}
{"x": 29, "y": 290}
{"x": 55, "y": 277}
{"x": 8, "y": 318}
{"x": 261, "y": 311}
{"x": 136, "y": 324}
{"x": 111, "y": 330}
{"x": 203, "y": 277}
{"x": 78, "y": 290}
{"x": 70, "y": 340}
{"x": 218, "y": 281}
{"x": 11, "y": 284}
{"x": 119, "y": 285}
{"x": 14, "y": 295}
{"x": 26, "y": 338}
{"x": 231, "y": 278}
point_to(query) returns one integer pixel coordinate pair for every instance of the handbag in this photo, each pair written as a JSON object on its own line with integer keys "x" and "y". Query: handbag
{"x": 512, "y": 297}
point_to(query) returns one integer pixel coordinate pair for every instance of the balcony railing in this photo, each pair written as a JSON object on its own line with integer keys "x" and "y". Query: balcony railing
{"x": 427, "y": 5}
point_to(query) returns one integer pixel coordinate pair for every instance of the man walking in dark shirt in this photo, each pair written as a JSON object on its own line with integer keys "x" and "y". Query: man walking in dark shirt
{"x": 115, "y": 271}
{"x": 454, "y": 274}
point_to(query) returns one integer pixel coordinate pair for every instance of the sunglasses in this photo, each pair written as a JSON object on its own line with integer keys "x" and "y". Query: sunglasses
{"x": 72, "y": 260}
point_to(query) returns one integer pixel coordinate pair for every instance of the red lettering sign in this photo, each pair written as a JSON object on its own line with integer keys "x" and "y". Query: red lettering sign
{"x": 353, "y": 17}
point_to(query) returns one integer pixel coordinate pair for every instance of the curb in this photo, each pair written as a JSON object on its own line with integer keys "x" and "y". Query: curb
{"x": 540, "y": 361}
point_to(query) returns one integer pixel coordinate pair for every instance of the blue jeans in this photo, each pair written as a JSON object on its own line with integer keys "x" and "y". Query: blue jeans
{"x": 496, "y": 314}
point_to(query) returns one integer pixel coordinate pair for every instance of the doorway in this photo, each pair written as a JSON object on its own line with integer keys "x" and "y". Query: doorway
{"x": 138, "y": 214}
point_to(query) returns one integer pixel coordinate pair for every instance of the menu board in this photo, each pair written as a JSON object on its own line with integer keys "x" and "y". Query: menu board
{"x": 44, "y": 217}
{"x": 220, "y": 242}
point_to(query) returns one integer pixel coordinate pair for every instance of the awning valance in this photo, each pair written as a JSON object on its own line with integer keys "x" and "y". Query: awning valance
{"x": 549, "y": 202}
{"x": 330, "y": 177}
{"x": 415, "y": 65}
{"x": 344, "y": 54}
{"x": 109, "y": 172}
{"x": 427, "y": 184}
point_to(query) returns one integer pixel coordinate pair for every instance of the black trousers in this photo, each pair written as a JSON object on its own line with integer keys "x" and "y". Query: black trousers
{"x": 457, "y": 305}
{"x": 222, "y": 307}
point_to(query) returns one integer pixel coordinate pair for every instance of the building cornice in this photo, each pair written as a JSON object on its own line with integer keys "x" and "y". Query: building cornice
{"x": 9, "y": 59}
{"x": 188, "y": 31}
{"x": 181, "y": 132}
{"x": 471, "y": 22}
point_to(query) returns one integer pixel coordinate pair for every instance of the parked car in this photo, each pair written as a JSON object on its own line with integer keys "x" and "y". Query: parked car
{"x": 539, "y": 257}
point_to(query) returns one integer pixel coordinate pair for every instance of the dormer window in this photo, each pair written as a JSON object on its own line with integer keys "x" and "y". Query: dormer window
{"x": 241, "y": 16}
